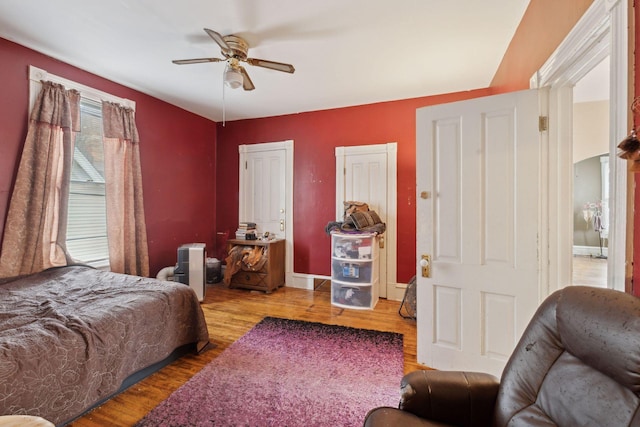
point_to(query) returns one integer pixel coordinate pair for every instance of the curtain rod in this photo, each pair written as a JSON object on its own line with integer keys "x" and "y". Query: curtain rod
{"x": 37, "y": 74}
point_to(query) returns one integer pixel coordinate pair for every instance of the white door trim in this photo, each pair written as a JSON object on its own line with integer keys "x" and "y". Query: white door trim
{"x": 395, "y": 291}
{"x": 600, "y": 32}
{"x": 270, "y": 146}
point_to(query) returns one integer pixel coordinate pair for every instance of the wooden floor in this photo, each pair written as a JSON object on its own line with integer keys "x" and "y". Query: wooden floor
{"x": 230, "y": 313}
{"x": 590, "y": 271}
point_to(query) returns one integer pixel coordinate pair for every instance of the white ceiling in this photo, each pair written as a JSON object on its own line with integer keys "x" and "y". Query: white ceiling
{"x": 346, "y": 52}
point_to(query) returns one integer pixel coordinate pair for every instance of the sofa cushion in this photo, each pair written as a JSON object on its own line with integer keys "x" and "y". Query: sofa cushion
{"x": 576, "y": 364}
{"x": 603, "y": 330}
{"x": 575, "y": 394}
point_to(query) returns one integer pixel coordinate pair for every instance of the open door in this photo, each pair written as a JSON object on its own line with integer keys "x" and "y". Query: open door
{"x": 478, "y": 219}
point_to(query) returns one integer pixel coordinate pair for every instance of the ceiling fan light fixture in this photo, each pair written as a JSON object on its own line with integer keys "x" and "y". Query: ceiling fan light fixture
{"x": 233, "y": 78}
{"x": 234, "y": 49}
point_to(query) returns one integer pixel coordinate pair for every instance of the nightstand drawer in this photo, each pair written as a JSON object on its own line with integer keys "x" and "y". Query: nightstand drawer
{"x": 249, "y": 278}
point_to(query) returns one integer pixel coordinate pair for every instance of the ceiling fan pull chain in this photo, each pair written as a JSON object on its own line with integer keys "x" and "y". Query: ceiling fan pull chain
{"x": 223, "y": 105}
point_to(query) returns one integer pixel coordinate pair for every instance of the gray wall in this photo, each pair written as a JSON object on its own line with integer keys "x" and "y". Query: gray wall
{"x": 587, "y": 187}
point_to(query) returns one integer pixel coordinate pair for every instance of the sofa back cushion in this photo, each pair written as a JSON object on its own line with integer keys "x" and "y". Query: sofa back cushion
{"x": 577, "y": 363}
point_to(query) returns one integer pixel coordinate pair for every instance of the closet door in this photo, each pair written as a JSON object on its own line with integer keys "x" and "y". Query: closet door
{"x": 264, "y": 191}
{"x": 367, "y": 173}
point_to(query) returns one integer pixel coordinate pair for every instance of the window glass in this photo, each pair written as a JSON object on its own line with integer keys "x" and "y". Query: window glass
{"x": 87, "y": 224}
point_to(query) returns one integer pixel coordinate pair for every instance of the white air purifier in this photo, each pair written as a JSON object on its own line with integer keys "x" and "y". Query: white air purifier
{"x": 191, "y": 267}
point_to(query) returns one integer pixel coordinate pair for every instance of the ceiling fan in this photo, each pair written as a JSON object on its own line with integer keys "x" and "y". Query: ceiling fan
{"x": 234, "y": 50}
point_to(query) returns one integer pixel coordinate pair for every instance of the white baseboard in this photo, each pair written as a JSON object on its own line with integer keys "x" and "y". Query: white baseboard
{"x": 589, "y": 250}
{"x": 306, "y": 281}
{"x": 396, "y": 292}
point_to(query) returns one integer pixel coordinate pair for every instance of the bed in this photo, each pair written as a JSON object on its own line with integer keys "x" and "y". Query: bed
{"x": 72, "y": 337}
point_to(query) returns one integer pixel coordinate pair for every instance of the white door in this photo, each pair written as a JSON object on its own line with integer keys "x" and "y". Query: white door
{"x": 365, "y": 178}
{"x": 478, "y": 183}
{"x": 266, "y": 192}
{"x": 264, "y": 195}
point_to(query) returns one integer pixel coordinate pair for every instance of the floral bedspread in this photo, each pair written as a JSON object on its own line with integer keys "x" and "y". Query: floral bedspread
{"x": 70, "y": 336}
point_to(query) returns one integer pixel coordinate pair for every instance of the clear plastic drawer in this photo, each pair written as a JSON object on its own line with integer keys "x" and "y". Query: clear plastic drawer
{"x": 357, "y": 246}
{"x": 351, "y": 271}
{"x": 350, "y": 296}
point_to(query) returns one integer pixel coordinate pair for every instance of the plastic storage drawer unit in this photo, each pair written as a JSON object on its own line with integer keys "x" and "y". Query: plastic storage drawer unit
{"x": 354, "y": 270}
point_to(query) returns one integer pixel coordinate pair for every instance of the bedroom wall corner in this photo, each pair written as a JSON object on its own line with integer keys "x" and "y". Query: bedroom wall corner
{"x": 178, "y": 154}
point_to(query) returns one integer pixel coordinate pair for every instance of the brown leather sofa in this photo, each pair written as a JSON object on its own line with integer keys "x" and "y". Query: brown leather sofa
{"x": 576, "y": 365}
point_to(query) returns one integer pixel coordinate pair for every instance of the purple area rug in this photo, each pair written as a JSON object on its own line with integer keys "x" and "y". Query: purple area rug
{"x": 290, "y": 373}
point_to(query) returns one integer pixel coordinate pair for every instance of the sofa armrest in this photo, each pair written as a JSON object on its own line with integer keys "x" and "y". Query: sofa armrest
{"x": 453, "y": 397}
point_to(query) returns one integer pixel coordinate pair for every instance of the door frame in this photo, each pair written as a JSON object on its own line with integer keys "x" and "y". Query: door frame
{"x": 601, "y": 32}
{"x": 271, "y": 146}
{"x": 393, "y": 291}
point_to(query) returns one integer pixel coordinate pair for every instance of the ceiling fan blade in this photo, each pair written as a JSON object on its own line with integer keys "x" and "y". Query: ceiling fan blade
{"x": 196, "y": 60}
{"x": 247, "y": 84}
{"x": 278, "y": 66}
{"x": 218, "y": 39}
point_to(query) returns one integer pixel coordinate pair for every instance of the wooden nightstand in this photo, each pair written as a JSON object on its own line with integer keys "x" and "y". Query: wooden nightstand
{"x": 270, "y": 276}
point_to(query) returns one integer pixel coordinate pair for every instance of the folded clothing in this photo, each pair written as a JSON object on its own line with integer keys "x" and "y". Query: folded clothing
{"x": 365, "y": 219}
{"x": 356, "y": 222}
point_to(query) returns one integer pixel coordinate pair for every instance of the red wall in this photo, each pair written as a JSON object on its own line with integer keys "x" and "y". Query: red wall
{"x": 636, "y": 120}
{"x": 543, "y": 27}
{"x": 177, "y": 152}
{"x": 180, "y": 176}
{"x": 316, "y": 135}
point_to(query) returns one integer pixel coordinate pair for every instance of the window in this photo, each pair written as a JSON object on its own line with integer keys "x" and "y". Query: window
{"x": 87, "y": 220}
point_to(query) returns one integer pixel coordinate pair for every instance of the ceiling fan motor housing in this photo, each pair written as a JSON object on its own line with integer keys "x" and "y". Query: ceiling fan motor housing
{"x": 238, "y": 46}
{"x": 235, "y": 50}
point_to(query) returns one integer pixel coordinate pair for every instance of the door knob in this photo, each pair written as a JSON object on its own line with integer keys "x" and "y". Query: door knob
{"x": 425, "y": 263}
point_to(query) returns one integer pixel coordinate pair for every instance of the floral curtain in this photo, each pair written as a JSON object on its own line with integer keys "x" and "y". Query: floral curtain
{"x": 126, "y": 228}
{"x": 35, "y": 230}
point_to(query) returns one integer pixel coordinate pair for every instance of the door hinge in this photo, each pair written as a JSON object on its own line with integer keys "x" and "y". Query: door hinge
{"x": 543, "y": 123}
{"x": 246, "y": 165}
